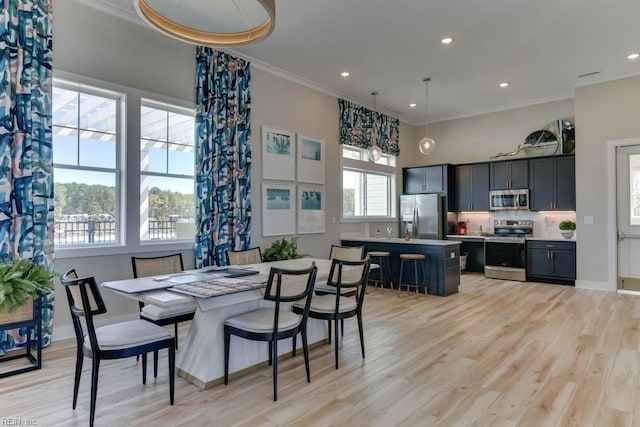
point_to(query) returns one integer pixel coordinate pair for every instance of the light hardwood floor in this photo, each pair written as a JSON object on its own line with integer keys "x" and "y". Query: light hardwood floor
{"x": 498, "y": 353}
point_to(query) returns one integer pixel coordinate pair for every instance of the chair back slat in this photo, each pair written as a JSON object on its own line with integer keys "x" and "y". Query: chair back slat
{"x": 248, "y": 256}
{"x": 349, "y": 274}
{"x": 85, "y": 300}
{"x": 157, "y": 266}
{"x": 74, "y": 285}
{"x": 346, "y": 253}
{"x": 290, "y": 285}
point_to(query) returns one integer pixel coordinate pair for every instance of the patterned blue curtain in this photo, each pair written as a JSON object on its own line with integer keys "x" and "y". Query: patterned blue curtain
{"x": 361, "y": 127}
{"x": 26, "y": 162}
{"x": 223, "y": 155}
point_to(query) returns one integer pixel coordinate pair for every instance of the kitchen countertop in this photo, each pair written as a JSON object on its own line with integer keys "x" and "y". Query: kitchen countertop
{"x": 399, "y": 240}
{"x": 551, "y": 239}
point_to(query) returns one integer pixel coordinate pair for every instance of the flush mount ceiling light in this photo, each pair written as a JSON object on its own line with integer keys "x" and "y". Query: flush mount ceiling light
{"x": 192, "y": 21}
{"x": 426, "y": 144}
{"x": 375, "y": 152}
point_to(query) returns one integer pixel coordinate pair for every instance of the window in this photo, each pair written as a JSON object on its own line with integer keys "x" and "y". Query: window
{"x": 86, "y": 156}
{"x": 167, "y": 161}
{"x": 368, "y": 188}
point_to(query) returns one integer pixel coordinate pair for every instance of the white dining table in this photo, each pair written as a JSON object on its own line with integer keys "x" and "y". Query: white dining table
{"x": 201, "y": 356}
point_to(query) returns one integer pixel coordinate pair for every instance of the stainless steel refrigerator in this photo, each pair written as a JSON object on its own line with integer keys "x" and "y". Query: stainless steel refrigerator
{"x": 421, "y": 214}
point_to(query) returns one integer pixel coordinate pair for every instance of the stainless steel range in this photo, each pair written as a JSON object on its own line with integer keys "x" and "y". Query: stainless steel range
{"x": 504, "y": 250}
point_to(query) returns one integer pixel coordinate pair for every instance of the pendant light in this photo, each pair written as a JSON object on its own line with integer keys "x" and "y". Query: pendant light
{"x": 426, "y": 144}
{"x": 171, "y": 21}
{"x": 375, "y": 152}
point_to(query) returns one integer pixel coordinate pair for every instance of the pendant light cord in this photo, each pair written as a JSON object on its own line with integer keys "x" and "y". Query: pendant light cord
{"x": 426, "y": 81}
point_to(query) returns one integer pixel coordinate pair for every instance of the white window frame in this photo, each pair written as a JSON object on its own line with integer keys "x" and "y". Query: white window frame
{"x": 151, "y": 103}
{"x": 119, "y": 99}
{"x": 129, "y": 176}
{"x": 364, "y": 164}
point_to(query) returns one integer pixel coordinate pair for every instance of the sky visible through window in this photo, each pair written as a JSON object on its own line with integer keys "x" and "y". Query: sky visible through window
{"x": 94, "y": 118}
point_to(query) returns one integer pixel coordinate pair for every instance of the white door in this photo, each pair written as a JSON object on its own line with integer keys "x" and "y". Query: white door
{"x": 628, "y": 216}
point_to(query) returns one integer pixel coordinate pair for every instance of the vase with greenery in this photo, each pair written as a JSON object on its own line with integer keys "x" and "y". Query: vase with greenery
{"x": 20, "y": 282}
{"x": 567, "y": 228}
{"x": 281, "y": 250}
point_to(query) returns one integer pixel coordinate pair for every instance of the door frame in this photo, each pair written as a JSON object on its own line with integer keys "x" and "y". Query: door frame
{"x": 612, "y": 201}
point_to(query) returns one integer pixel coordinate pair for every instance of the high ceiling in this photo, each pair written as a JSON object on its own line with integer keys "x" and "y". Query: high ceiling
{"x": 540, "y": 47}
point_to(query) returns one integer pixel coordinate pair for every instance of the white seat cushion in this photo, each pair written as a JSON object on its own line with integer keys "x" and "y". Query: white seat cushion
{"x": 127, "y": 334}
{"x": 323, "y": 287}
{"x": 327, "y": 304}
{"x": 262, "y": 320}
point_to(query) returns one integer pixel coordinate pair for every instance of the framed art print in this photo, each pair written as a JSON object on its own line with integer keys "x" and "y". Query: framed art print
{"x": 310, "y": 159}
{"x": 278, "y": 209}
{"x": 278, "y": 154}
{"x": 310, "y": 209}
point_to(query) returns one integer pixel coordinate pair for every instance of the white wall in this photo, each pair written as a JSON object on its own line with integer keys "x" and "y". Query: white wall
{"x": 475, "y": 139}
{"x": 604, "y": 112}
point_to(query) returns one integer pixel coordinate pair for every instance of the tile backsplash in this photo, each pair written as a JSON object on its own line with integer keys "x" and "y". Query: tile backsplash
{"x": 545, "y": 224}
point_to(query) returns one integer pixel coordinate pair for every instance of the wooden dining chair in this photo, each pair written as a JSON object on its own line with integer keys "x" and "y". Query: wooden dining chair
{"x": 247, "y": 256}
{"x": 274, "y": 324}
{"x": 346, "y": 253}
{"x": 157, "y": 266}
{"x": 114, "y": 341}
{"x": 336, "y": 306}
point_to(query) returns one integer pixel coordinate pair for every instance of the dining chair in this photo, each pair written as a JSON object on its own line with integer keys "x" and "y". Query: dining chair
{"x": 247, "y": 256}
{"x": 274, "y": 324}
{"x": 114, "y": 341}
{"x": 336, "y": 306}
{"x": 157, "y": 266}
{"x": 347, "y": 253}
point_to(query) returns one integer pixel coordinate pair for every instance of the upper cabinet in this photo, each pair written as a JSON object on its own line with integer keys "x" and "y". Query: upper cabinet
{"x": 471, "y": 188}
{"x": 425, "y": 179}
{"x": 553, "y": 184}
{"x": 512, "y": 174}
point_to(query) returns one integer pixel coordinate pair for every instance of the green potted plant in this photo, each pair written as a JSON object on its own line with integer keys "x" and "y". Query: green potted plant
{"x": 567, "y": 228}
{"x": 282, "y": 249}
{"x": 20, "y": 282}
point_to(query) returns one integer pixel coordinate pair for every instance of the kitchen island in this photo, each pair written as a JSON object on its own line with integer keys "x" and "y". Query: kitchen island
{"x": 442, "y": 261}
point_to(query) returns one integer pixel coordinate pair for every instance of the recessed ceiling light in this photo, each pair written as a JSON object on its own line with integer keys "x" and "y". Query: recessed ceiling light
{"x": 504, "y": 84}
{"x": 447, "y": 40}
{"x": 413, "y": 105}
{"x": 345, "y": 74}
{"x": 634, "y": 56}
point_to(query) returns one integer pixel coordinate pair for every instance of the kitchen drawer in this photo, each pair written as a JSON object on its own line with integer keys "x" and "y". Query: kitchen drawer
{"x": 551, "y": 244}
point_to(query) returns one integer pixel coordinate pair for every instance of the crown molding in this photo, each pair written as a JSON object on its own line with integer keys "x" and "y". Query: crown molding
{"x": 112, "y": 9}
{"x": 592, "y": 80}
{"x": 506, "y": 107}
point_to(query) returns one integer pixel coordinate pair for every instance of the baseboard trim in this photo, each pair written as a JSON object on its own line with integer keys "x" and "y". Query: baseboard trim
{"x": 596, "y": 286}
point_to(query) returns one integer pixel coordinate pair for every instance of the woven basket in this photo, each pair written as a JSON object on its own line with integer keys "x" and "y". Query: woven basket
{"x": 25, "y": 312}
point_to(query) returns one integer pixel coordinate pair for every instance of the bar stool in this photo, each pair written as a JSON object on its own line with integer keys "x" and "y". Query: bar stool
{"x": 417, "y": 259}
{"x": 382, "y": 259}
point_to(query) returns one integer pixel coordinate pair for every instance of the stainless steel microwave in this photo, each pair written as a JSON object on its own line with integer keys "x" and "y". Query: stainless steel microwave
{"x": 502, "y": 200}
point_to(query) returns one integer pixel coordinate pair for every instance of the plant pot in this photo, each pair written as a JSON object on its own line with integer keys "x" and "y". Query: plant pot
{"x": 567, "y": 234}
